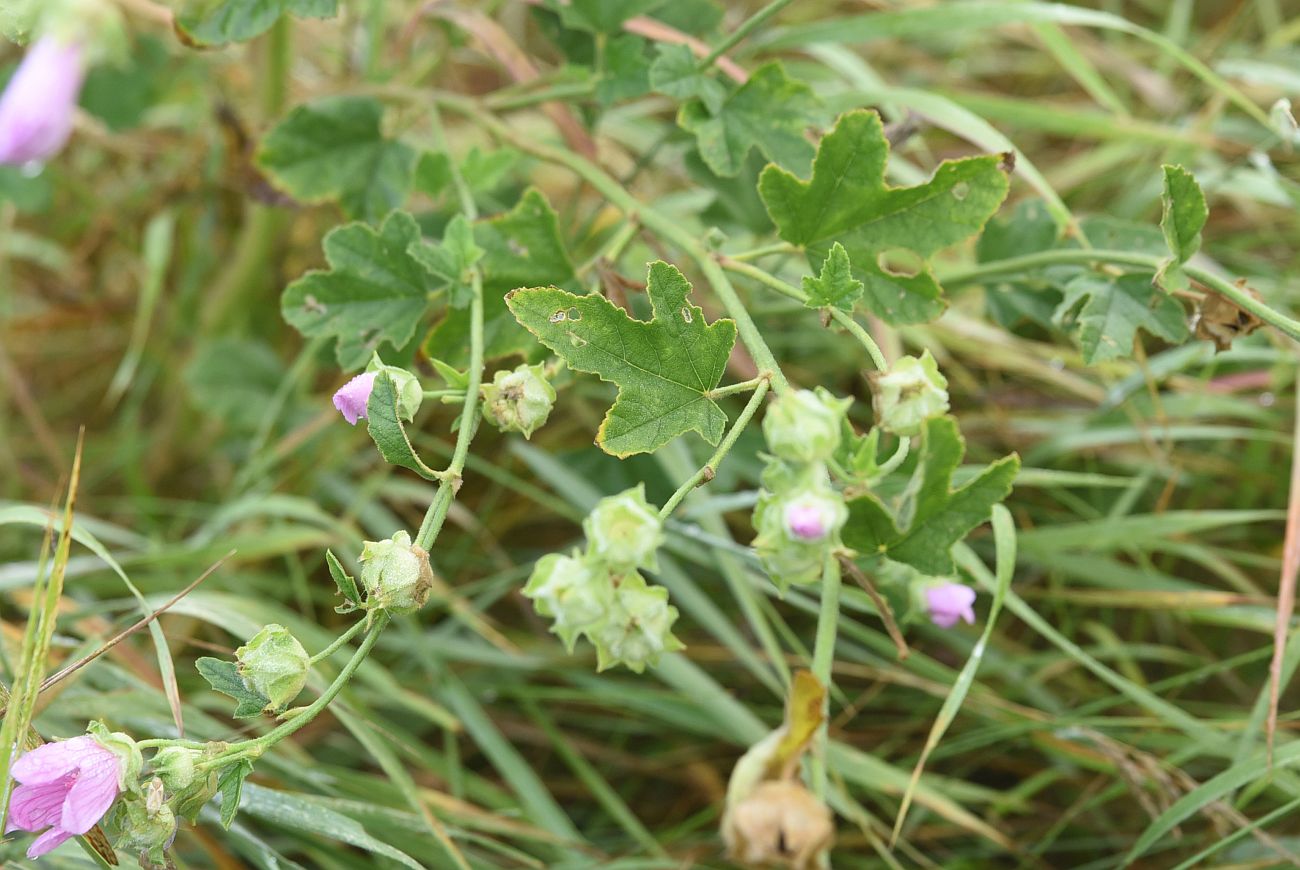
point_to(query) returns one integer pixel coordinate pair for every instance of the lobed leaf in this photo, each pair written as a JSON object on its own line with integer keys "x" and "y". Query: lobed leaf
{"x": 224, "y": 677}
{"x": 664, "y": 368}
{"x": 1116, "y": 309}
{"x": 932, "y": 516}
{"x": 374, "y": 291}
{"x": 334, "y": 149}
{"x": 846, "y": 200}
{"x": 835, "y": 287}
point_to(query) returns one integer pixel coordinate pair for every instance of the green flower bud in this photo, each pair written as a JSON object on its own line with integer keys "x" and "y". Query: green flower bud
{"x": 407, "y": 386}
{"x": 638, "y": 627}
{"x": 396, "y": 574}
{"x": 274, "y": 665}
{"x": 624, "y": 531}
{"x": 798, "y": 518}
{"x": 805, "y": 426}
{"x": 520, "y": 400}
{"x": 912, "y": 391}
{"x": 188, "y": 787}
{"x": 145, "y": 826}
{"x": 571, "y": 592}
{"x": 125, "y": 749}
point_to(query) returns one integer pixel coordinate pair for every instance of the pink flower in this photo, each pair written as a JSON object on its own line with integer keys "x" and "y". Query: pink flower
{"x": 352, "y": 397}
{"x": 806, "y": 520}
{"x": 66, "y": 787}
{"x": 949, "y": 603}
{"x": 37, "y": 107}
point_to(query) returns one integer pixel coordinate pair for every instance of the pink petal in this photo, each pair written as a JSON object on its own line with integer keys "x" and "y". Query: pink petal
{"x": 92, "y": 794}
{"x": 53, "y": 761}
{"x": 36, "y": 807}
{"x": 47, "y": 842}
{"x": 37, "y": 107}
{"x": 351, "y": 398}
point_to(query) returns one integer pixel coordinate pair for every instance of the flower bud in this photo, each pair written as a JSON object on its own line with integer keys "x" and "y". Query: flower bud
{"x": 813, "y": 516}
{"x": 637, "y": 629}
{"x": 188, "y": 787}
{"x": 912, "y": 391}
{"x": 37, "y": 107}
{"x": 805, "y": 426}
{"x": 949, "y": 602}
{"x": 351, "y": 398}
{"x": 798, "y": 517}
{"x": 519, "y": 400}
{"x": 128, "y": 754}
{"x": 407, "y": 386}
{"x": 624, "y": 531}
{"x": 780, "y": 824}
{"x": 396, "y": 574}
{"x": 275, "y": 665}
{"x": 571, "y": 592}
{"x": 145, "y": 826}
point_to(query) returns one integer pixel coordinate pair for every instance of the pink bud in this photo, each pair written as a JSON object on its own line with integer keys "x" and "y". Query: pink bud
{"x": 37, "y": 107}
{"x": 806, "y": 520}
{"x": 949, "y": 603}
{"x": 352, "y": 397}
{"x": 66, "y": 787}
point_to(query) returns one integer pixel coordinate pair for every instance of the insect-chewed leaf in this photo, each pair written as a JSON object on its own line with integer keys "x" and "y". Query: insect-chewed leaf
{"x": 664, "y": 368}
{"x": 334, "y": 148}
{"x": 375, "y": 291}
{"x": 847, "y": 201}
{"x": 936, "y": 516}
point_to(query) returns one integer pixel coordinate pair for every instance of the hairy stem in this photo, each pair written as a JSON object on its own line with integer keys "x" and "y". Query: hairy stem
{"x": 747, "y": 27}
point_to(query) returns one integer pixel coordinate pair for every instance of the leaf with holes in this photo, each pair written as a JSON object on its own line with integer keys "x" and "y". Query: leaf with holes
{"x": 921, "y": 527}
{"x": 1183, "y": 218}
{"x": 216, "y": 22}
{"x": 770, "y": 112}
{"x": 334, "y": 149}
{"x": 521, "y": 248}
{"x": 374, "y": 291}
{"x": 1115, "y": 310}
{"x": 664, "y": 368}
{"x": 847, "y": 201}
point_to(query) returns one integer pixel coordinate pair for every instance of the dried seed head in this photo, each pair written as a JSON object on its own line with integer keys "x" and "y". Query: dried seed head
{"x": 779, "y": 824}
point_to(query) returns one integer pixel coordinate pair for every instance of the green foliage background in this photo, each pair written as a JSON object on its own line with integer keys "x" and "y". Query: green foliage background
{"x": 1120, "y": 702}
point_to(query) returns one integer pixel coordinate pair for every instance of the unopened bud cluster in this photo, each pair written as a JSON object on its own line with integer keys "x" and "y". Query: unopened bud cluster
{"x": 912, "y": 391}
{"x": 799, "y": 513}
{"x": 600, "y": 593}
{"x": 519, "y": 400}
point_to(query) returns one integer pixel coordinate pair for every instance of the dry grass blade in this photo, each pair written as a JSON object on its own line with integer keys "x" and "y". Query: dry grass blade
{"x": 886, "y": 614}
{"x": 1286, "y": 589}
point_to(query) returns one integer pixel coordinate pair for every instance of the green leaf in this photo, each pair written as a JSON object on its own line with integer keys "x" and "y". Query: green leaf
{"x": 521, "y": 248}
{"x": 626, "y": 73}
{"x": 374, "y": 291}
{"x": 664, "y": 368}
{"x": 215, "y": 22}
{"x": 451, "y": 261}
{"x": 346, "y": 582}
{"x": 602, "y": 16}
{"x": 224, "y": 677}
{"x": 334, "y": 149}
{"x": 847, "y": 201}
{"x": 230, "y": 783}
{"x": 1182, "y": 220}
{"x": 931, "y": 516}
{"x": 835, "y": 286}
{"x": 770, "y": 111}
{"x": 676, "y": 72}
{"x": 234, "y": 380}
{"x": 1116, "y": 309}
{"x": 385, "y": 427}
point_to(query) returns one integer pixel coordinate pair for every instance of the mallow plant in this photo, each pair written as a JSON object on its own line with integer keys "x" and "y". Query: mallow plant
{"x": 478, "y": 304}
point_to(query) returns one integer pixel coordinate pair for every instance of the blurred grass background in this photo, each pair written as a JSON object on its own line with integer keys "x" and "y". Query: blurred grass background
{"x": 1130, "y": 666}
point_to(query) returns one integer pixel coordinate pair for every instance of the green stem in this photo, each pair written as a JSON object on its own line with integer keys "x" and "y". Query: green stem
{"x": 450, "y": 480}
{"x": 751, "y": 24}
{"x": 662, "y": 225}
{"x": 843, "y": 318}
{"x": 1150, "y": 262}
{"x": 706, "y": 472}
{"x": 338, "y": 642}
{"x": 567, "y": 91}
{"x": 765, "y": 251}
{"x": 442, "y": 394}
{"x": 258, "y": 745}
{"x": 824, "y": 660}
{"x": 904, "y": 445}
{"x": 742, "y": 387}
{"x": 159, "y": 742}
